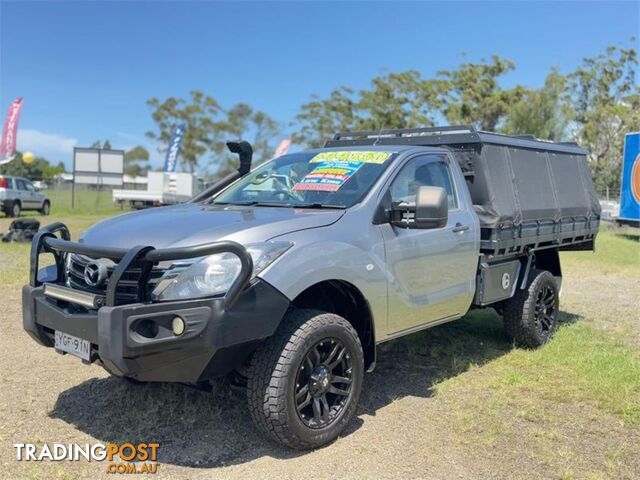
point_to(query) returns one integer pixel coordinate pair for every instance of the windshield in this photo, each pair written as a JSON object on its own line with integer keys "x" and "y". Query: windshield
{"x": 331, "y": 179}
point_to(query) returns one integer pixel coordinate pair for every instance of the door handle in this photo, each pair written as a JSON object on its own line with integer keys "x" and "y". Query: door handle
{"x": 460, "y": 228}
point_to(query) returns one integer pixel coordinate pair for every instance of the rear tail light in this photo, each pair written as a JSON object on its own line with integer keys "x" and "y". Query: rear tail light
{"x": 3, "y": 182}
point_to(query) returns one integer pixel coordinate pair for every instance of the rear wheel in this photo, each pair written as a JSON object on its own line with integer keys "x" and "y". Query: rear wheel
{"x": 531, "y": 316}
{"x": 305, "y": 380}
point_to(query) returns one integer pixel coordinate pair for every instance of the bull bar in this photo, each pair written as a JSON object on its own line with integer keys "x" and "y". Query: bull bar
{"x": 46, "y": 241}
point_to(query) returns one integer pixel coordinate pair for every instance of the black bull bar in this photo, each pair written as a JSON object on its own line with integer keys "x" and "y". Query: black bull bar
{"x": 144, "y": 257}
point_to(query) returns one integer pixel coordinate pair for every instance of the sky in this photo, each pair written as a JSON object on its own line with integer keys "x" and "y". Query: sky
{"x": 86, "y": 69}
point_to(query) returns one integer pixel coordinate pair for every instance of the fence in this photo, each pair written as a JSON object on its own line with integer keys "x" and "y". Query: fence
{"x": 89, "y": 199}
{"x": 608, "y": 194}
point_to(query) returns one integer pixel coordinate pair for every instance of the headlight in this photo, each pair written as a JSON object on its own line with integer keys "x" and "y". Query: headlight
{"x": 214, "y": 274}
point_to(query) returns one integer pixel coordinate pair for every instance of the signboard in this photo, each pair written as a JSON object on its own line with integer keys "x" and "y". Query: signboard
{"x": 95, "y": 166}
{"x": 630, "y": 188}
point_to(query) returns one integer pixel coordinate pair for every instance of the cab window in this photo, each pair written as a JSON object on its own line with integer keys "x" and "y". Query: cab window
{"x": 429, "y": 171}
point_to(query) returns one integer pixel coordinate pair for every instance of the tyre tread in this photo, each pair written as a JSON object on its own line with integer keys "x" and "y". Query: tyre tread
{"x": 518, "y": 311}
{"x": 267, "y": 386}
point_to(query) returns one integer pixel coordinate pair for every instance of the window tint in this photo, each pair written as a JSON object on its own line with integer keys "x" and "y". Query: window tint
{"x": 430, "y": 171}
{"x": 20, "y": 184}
{"x": 29, "y": 186}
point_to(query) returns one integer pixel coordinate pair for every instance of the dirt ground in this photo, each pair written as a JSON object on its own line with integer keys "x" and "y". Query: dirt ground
{"x": 430, "y": 410}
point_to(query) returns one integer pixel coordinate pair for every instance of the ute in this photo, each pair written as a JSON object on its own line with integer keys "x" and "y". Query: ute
{"x": 290, "y": 275}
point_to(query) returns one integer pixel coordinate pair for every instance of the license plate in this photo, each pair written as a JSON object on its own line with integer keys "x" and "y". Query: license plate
{"x": 73, "y": 345}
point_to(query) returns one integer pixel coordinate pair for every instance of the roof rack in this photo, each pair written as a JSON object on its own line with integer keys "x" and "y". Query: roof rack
{"x": 450, "y": 135}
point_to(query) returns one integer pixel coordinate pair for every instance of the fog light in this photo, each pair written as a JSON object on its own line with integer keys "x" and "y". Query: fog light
{"x": 178, "y": 326}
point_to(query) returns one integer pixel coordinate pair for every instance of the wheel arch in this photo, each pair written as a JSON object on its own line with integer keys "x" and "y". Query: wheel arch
{"x": 345, "y": 299}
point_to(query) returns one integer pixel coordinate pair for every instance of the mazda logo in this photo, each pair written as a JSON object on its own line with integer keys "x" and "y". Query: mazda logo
{"x": 95, "y": 274}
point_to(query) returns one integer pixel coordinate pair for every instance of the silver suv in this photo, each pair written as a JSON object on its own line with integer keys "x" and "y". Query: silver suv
{"x": 18, "y": 194}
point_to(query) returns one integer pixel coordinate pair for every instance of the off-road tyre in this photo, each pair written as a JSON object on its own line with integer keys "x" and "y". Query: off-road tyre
{"x": 531, "y": 315}
{"x": 276, "y": 376}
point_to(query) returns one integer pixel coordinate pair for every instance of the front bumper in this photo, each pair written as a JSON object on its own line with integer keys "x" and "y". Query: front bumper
{"x": 214, "y": 342}
{"x": 136, "y": 339}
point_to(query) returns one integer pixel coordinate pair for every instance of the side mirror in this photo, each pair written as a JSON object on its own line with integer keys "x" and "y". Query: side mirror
{"x": 430, "y": 210}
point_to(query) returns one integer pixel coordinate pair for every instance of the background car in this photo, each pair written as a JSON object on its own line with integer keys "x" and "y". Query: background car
{"x": 18, "y": 194}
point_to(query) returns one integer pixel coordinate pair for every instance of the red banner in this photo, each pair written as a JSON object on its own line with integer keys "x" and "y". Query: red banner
{"x": 10, "y": 130}
{"x": 282, "y": 148}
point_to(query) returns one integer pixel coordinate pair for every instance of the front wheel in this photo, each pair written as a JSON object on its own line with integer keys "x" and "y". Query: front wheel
{"x": 531, "y": 315}
{"x": 45, "y": 208}
{"x": 304, "y": 382}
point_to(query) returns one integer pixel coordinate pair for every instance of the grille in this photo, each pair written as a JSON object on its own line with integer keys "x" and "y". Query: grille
{"x": 127, "y": 291}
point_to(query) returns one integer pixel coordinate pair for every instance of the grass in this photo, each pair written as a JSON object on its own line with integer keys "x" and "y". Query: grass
{"x": 571, "y": 408}
{"x": 87, "y": 202}
{"x": 581, "y": 364}
{"x": 14, "y": 257}
{"x": 617, "y": 251}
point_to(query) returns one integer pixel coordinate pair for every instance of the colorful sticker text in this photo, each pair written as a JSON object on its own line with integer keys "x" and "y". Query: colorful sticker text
{"x": 335, "y": 168}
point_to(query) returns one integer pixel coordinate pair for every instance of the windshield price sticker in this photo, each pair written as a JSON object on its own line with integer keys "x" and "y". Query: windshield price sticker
{"x": 329, "y": 176}
{"x": 352, "y": 156}
{"x": 335, "y": 168}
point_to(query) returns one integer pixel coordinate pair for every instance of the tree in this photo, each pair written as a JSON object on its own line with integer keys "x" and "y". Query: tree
{"x": 202, "y": 132}
{"x": 544, "y": 113}
{"x": 242, "y": 121}
{"x": 399, "y": 100}
{"x": 105, "y": 146}
{"x": 605, "y": 98}
{"x": 319, "y": 119}
{"x": 471, "y": 94}
{"x": 39, "y": 169}
{"x": 395, "y": 100}
{"x": 133, "y": 158}
{"x": 209, "y": 126}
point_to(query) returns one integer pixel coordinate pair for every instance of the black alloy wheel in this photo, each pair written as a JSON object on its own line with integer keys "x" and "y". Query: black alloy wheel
{"x": 545, "y": 310}
{"x": 323, "y": 383}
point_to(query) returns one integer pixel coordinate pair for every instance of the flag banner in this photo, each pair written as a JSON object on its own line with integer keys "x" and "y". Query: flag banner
{"x": 10, "y": 130}
{"x": 171, "y": 160}
{"x": 283, "y": 147}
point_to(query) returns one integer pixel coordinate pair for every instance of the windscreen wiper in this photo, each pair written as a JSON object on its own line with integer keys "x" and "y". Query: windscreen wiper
{"x": 318, "y": 205}
{"x": 255, "y": 203}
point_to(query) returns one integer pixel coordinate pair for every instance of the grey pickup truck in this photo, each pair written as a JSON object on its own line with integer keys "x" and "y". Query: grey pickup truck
{"x": 288, "y": 276}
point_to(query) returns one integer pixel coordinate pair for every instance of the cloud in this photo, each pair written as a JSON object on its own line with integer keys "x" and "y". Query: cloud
{"x": 49, "y": 145}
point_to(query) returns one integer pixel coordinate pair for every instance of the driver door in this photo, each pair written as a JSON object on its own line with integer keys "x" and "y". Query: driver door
{"x": 431, "y": 272}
